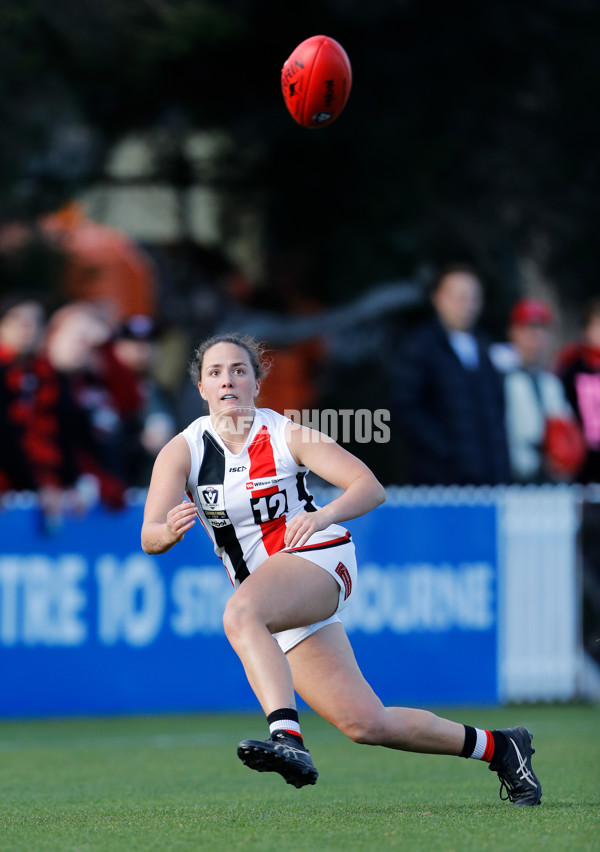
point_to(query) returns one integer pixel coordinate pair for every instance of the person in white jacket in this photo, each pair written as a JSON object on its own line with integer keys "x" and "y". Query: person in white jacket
{"x": 533, "y": 394}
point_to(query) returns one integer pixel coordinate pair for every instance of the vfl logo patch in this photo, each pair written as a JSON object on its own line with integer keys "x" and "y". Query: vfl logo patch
{"x": 212, "y": 502}
{"x": 210, "y": 495}
{"x": 346, "y": 579}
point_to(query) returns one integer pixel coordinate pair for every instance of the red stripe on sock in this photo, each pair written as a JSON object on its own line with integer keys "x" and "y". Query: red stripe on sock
{"x": 293, "y": 733}
{"x": 489, "y": 747}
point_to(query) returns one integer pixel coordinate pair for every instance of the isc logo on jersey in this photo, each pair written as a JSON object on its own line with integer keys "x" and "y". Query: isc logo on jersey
{"x": 256, "y": 484}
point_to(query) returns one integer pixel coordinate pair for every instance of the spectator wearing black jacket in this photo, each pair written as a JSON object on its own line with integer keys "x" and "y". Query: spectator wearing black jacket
{"x": 447, "y": 400}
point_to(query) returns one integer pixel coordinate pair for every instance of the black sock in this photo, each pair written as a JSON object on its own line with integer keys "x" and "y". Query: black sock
{"x": 285, "y": 722}
{"x": 470, "y": 740}
{"x": 481, "y": 744}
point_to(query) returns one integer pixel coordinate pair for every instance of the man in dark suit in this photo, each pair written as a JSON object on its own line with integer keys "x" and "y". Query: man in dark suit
{"x": 446, "y": 396}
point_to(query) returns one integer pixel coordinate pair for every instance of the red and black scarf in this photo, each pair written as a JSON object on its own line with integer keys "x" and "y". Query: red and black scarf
{"x": 31, "y": 391}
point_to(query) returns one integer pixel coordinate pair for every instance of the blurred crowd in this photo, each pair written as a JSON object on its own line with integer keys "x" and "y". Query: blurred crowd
{"x": 81, "y": 415}
{"x": 473, "y": 412}
{"x": 94, "y": 383}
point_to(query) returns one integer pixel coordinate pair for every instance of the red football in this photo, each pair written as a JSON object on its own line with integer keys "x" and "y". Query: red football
{"x": 316, "y": 81}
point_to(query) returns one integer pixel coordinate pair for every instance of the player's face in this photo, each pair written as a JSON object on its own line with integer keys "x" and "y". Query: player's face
{"x": 227, "y": 382}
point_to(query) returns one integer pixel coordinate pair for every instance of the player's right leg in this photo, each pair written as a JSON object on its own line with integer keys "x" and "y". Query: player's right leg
{"x": 285, "y": 592}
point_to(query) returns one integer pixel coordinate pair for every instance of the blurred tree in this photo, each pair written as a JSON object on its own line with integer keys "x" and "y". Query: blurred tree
{"x": 471, "y": 131}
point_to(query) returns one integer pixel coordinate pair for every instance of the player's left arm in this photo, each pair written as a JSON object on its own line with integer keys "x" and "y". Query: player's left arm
{"x": 362, "y": 491}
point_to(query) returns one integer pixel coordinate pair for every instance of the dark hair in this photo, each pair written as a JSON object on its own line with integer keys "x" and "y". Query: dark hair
{"x": 452, "y": 269}
{"x": 256, "y": 353}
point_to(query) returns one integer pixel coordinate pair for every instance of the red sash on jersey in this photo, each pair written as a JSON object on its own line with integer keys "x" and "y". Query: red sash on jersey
{"x": 262, "y": 466}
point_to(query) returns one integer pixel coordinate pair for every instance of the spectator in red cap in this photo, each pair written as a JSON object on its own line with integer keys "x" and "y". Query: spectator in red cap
{"x": 538, "y": 416}
{"x": 531, "y": 313}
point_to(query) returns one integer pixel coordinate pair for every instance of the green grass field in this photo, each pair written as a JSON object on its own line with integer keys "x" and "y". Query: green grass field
{"x": 175, "y": 783}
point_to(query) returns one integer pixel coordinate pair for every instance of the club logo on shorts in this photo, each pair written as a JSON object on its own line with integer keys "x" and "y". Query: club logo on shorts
{"x": 344, "y": 576}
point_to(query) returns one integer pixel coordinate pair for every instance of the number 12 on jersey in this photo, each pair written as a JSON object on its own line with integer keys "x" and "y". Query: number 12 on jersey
{"x": 269, "y": 507}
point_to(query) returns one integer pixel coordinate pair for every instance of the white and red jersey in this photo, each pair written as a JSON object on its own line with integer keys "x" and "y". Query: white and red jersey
{"x": 244, "y": 499}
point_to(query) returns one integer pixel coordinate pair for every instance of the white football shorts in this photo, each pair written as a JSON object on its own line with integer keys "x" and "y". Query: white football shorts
{"x": 337, "y": 556}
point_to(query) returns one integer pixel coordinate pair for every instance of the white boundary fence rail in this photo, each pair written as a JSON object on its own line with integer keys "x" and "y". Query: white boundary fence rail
{"x": 540, "y": 647}
{"x": 540, "y": 644}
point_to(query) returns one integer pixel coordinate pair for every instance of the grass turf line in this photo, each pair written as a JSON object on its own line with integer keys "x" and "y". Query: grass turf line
{"x": 175, "y": 783}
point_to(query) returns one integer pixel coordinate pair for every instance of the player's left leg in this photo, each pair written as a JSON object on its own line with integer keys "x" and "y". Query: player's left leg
{"x": 326, "y": 675}
{"x": 328, "y": 678}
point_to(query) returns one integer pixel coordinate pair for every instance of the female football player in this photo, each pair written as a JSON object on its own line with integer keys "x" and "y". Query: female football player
{"x": 293, "y": 569}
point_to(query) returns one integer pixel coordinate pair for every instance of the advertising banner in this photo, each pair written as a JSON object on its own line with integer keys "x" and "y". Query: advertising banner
{"x": 89, "y": 624}
{"x": 424, "y": 619}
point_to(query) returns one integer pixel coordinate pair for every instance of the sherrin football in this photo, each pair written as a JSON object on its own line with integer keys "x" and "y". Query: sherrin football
{"x": 316, "y": 81}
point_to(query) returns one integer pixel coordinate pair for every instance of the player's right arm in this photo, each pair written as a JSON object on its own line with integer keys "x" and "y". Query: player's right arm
{"x": 166, "y": 517}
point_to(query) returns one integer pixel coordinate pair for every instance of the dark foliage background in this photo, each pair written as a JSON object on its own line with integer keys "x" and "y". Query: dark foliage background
{"x": 471, "y": 131}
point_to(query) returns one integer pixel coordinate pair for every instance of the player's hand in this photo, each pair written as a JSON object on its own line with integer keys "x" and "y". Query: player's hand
{"x": 180, "y": 519}
{"x": 303, "y": 525}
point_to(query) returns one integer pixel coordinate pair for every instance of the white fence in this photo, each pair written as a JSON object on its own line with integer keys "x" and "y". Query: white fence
{"x": 540, "y": 644}
{"x": 540, "y": 650}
